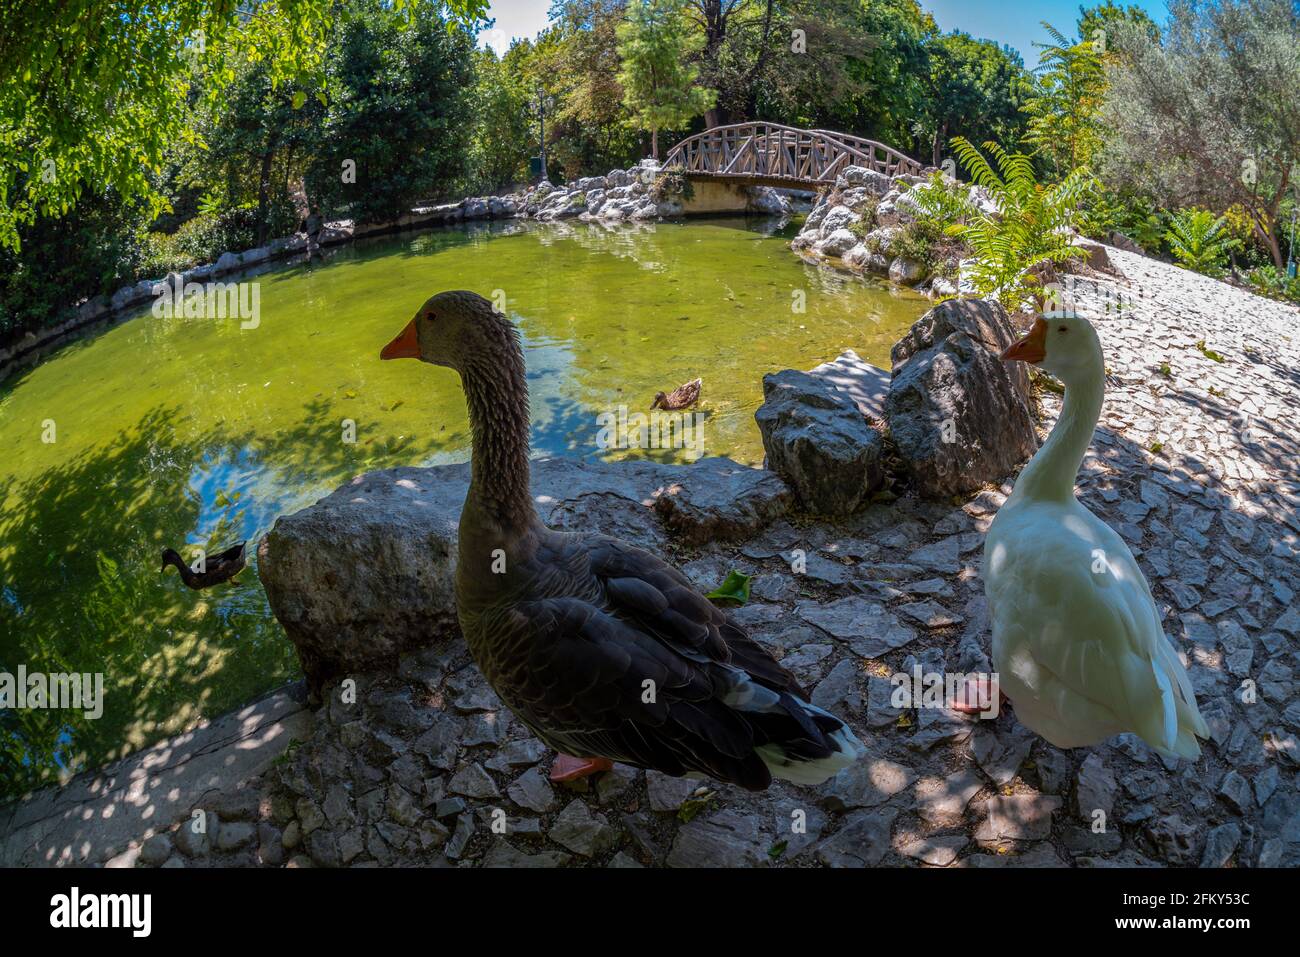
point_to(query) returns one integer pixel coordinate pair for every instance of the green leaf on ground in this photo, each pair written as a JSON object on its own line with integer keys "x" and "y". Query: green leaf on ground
{"x": 734, "y": 588}
{"x": 693, "y": 806}
{"x": 1209, "y": 353}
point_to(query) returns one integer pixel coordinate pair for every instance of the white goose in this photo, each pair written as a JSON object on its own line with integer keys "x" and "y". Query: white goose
{"x": 1077, "y": 640}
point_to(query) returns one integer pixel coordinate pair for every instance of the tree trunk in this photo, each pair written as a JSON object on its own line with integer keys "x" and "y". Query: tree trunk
{"x": 654, "y": 144}
{"x": 936, "y": 145}
{"x": 751, "y": 93}
{"x": 264, "y": 190}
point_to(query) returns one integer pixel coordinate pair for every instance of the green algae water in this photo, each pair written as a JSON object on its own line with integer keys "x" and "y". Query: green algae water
{"x": 196, "y": 432}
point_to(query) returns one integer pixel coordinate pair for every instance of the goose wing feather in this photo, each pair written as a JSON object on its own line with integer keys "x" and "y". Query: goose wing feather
{"x": 603, "y": 618}
{"x": 1075, "y": 624}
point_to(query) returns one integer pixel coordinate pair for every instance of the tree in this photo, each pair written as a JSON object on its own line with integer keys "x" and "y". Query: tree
{"x": 396, "y": 129}
{"x": 1208, "y": 114}
{"x": 576, "y": 63}
{"x": 659, "y": 87}
{"x": 258, "y": 142}
{"x": 1098, "y": 24}
{"x": 886, "y": 82}
{"x": 1064, "y": 109}
{"x": 91, "y": 97}
{"x": 976, "y": 89}
{"x": 500, "y": 107}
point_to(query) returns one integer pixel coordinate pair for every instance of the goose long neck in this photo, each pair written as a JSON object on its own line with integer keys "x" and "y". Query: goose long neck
{"x": 496, "y": 391}
{"x": 1051, "y": 473}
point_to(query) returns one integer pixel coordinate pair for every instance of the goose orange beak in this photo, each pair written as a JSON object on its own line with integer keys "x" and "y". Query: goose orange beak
{"x": 405, "y": 346}
{"x": 1030, "y": 348}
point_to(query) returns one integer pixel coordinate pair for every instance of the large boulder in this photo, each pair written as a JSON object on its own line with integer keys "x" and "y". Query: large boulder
{"x": 764, "y": 199}
{"x": 820, "y": 438}
{"x": 877, "y": 183}
{"x": 906, "y": 272}
{"x": 862, "y": 382}
{"x": 837, "y": 243}
{"x": 368, "y": 572}
{"x": 839, "y": 217}
{"x": 959, "y": 415}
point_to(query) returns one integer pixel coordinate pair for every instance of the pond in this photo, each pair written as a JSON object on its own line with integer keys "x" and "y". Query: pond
{"x": 197, "y": 432}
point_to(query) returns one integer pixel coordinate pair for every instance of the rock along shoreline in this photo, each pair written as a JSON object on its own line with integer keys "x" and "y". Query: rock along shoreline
{"x": 619, "y": 196}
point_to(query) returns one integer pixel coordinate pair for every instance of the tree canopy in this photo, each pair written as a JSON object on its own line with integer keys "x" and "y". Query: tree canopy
{"x": 93, "y": 94}
{"x": 1209, "y": 113}
{"x": 659, "y": 83}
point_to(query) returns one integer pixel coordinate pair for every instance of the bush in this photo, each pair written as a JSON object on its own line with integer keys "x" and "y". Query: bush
{"x": 1200, "y": 241}
{"x": 937, "y": 208}
{"x": 672, "y": 183}
{"x": 1034, "y": 227}
{"x": 1274, "y": 283}
{"x": 205, "y": 237}
{"x": 399, "y": 114}
{"x": 1133, "y": 215}
{"x": 94, "y": 249}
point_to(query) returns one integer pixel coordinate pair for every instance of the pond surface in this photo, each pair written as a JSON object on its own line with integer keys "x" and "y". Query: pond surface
{"x": 196, "y": 432}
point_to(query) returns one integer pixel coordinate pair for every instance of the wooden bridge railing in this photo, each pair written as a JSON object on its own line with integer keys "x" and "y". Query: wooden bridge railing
{"x": 771, "y": 154}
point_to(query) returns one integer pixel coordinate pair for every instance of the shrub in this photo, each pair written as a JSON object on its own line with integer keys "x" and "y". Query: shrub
{"x": 942, "y": 203}
{"x": 1033, "y": 227}
{"x": 937, "y": 208}
{"x": 1274, "y": 283}
{"x": 1200, "y": 241}
{"x": 94, "y": 249}
{"x": 205, "y": 237}
{"x": 672, "y": 183}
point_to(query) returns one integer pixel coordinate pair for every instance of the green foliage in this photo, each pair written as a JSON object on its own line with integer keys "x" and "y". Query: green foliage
{"x": 499, "y": 146}
{"x": 1275, "y": 283}
{"x": 255, "y": 148}
{"x": 135, "y": 65}
{"x": 672, "y": 183}
{"x": 1101, "y": 22}
{"x": 1132, "y": 214}
{"x": 577, "y": 64}
{"x": 660, "y": 87}
{"x": 938, "y": 207}
{"x": 1063, "y": 110}
{"x": 205, "y": 237}
{"x": 94, "y": 249}
{"x": 1200, "y": 242}
{"x": 1206, "y": 114}
{"x": 1033, "y": 227}
{"x": 941, "y": 203}
{"x": 882, "y": 78}
{"x": 975, "y": 88}
{"x": 397, "y": 110}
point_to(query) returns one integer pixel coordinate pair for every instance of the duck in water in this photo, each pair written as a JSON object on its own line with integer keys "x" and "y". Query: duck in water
{"x": 218, "y": 568}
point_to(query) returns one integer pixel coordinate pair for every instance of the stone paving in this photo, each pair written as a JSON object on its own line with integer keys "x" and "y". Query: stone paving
{"x": 1194, "y": 463}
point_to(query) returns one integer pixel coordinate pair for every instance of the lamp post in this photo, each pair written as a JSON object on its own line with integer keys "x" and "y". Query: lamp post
{"x": 544, "y": 102}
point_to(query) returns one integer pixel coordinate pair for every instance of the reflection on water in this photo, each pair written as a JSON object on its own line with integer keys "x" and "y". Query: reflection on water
{"x": 196, "y": 433}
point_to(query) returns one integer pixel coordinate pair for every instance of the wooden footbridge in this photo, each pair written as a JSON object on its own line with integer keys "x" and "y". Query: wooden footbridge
{"x": 768, "y": 154}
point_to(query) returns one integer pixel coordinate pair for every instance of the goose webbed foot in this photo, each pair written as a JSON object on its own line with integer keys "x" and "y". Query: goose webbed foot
{"x": 569, "y": 768}
{"x": 975, "y": 696}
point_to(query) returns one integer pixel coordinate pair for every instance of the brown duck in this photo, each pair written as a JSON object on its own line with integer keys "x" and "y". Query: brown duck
{"x": 217, "y": 568}
{"x": 681, "y": 397}
{"x": 606, "y": 652}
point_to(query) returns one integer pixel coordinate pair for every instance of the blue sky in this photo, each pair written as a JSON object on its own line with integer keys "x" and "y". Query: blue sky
{"x": 1006, "y": 21}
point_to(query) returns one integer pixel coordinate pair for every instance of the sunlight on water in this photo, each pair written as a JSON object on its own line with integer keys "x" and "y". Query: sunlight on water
{"x": 195, "y": 432}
